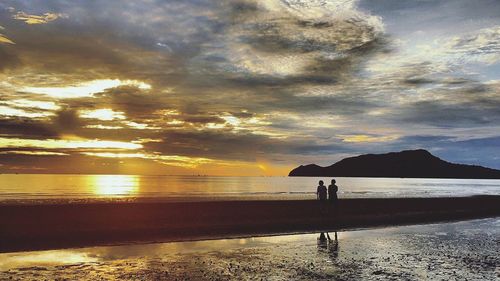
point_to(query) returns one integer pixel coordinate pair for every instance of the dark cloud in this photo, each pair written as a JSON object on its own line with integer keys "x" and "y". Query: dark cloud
{"x": 224, "y": 145}
{"x": 473, "y": 104}
{"x": 426, "y": 139}
{"x": 204, "y": 119}
{"x": 136, "y": 103}
{"x": 228, "y": 145}
{"x": 67, "y": 120}
{"x": 445, "y": 115}
{"x": 8, "y": 58}
{"x": 418, "y": 80}
{"x": 26, "y": 128}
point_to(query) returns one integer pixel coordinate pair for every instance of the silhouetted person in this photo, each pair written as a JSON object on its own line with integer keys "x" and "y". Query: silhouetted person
{"x": 321, "y": 192}
{"x": 332, "y": 191}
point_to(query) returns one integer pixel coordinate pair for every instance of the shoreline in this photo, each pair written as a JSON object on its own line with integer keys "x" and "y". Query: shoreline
{"x": 69, "y": 225}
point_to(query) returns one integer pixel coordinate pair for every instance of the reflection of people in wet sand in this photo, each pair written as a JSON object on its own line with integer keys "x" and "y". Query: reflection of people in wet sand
{"x": 333, "y": 246}
{"x": 322, "y": 241}
{"x": 326, "y": 243}
{"x": 321, "y": 191}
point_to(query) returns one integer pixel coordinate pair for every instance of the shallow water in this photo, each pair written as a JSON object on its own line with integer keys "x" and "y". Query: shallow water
{"x": 448, "y": 251}
{"x": 130, "y": 187}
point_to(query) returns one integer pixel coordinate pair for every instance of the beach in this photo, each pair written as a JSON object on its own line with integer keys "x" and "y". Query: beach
{"x": 465, "y": 250}
{"x": 54, "y": 226}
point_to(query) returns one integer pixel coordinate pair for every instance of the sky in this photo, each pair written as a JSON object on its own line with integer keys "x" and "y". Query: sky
{"x": 244, "y": 87}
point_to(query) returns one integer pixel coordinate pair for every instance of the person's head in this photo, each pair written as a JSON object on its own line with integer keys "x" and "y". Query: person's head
{"x": 333, "y": 181}
{"x": 320, "y": 182}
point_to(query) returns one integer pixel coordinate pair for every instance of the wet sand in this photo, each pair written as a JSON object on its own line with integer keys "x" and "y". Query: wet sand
{"x": 465, "y": 250}
{"x": 55, "y": 226}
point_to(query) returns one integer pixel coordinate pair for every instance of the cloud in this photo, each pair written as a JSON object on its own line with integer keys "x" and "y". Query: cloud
{"x": 174, "y": 160}
{"x": 14, "y": 112}
{"x": 137, "y": 103}
{"x": 67, "y": 120}
{"x": 26, "y": 128}
{"x": 246, "y": 81}
{"x": 8, "y": 59}
{"x": 34, "y": 153}
{"x": 104, "y": 114}
{"x": 32, "y": 104}
{"x": 66, "y": 144}
{"x": 4, "y": 39}
{"x": 37, "y": 19}
{"x": 471, "y": 104}
{"x": 482, "y": 46}
{"x": 84, "y": 89}
{"x": 366, "y": 138}
{"x": 283, "y": 41}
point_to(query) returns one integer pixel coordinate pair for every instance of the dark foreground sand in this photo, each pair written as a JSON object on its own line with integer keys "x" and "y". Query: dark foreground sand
{"x": 52, "y": 226}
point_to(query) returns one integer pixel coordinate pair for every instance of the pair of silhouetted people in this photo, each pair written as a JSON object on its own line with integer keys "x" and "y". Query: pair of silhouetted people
{"x": 329, "y": 194}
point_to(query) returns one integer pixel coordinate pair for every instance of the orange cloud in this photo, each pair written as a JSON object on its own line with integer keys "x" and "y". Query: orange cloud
{"x": 66, "y": 143}
{"x": 4, "y": 39}
{"x": 35, "y": 19}
{"x": 85, "y": 89}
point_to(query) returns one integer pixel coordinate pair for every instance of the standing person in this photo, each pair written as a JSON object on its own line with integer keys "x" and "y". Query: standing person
{"x": 332, "y": 191}
{"x": 321, "y": 191}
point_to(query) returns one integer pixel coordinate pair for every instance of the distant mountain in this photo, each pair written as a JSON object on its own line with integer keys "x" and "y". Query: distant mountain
{"x": 405, "y": 164}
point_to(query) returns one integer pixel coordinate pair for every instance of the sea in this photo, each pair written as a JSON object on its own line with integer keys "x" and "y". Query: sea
{"x": 26, "y": 188}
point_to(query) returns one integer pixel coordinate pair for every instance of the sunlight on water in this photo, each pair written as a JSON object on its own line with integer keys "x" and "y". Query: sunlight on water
{"x": 114, "y": 185}
{"x": 22, "y": 188}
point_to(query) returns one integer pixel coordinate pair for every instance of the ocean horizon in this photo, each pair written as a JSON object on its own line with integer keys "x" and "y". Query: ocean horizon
{"x": 79, "y": 187}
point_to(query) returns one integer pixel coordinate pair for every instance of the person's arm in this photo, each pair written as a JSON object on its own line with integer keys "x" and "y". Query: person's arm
{"x": 317, "y": 193}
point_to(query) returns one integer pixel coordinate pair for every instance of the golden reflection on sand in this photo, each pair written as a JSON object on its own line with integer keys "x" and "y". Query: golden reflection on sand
{"x": 109, "y": 253}
{"x": 44, "y": 258}
{"x": 116, "y": 185}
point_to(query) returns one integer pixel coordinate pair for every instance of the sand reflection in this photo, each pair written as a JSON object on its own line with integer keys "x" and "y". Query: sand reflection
{"x": 44, "y": 258}
{"x": 114, "y": 185}
{"x": 329, "y": 245}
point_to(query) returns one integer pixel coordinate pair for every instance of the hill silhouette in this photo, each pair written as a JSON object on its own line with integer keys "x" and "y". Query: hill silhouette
{"x": 405, "y": 164}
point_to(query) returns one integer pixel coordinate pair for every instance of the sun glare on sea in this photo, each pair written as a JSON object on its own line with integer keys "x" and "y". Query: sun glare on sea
{"x": 114, "y": 185}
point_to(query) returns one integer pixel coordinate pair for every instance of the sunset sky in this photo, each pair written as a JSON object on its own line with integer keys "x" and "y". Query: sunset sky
{"x": 244, "y": 87}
